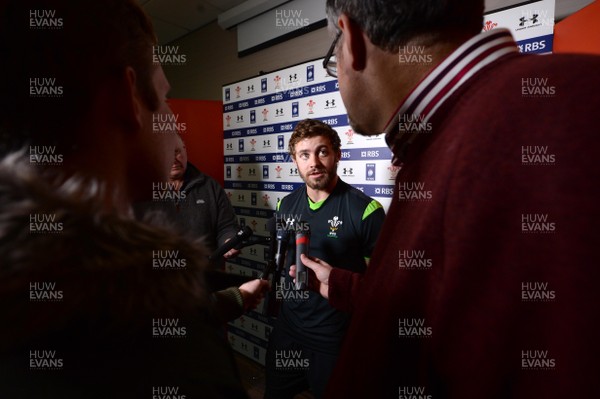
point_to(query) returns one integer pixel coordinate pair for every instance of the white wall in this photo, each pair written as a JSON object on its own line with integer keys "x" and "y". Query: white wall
{"x": 212, "y": 61}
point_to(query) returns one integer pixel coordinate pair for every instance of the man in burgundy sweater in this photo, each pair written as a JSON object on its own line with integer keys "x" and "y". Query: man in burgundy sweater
{"x": 484, "y": 280}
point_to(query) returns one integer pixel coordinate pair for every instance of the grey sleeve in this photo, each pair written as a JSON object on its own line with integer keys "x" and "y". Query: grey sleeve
{"x": 227, "y": 225}
{"x": 228, "y": 304}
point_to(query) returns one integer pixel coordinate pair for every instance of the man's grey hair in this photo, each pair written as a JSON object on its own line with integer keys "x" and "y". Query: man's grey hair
{"x": 390, "y": 24}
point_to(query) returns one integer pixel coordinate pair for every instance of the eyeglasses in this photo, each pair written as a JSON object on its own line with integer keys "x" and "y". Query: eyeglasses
{"x": 330, "y": 61}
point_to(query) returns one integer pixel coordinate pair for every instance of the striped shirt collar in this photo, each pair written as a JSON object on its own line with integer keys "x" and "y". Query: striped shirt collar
{"x": 414, "y": 113}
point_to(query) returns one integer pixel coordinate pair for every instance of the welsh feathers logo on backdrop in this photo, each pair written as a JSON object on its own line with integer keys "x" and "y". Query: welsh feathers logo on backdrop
{"x": 334, "y": 225}
{"x": 489, "y": 25}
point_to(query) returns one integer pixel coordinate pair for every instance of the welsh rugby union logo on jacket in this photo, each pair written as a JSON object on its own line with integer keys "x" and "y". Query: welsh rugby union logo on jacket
{"x": 334, "y": 225}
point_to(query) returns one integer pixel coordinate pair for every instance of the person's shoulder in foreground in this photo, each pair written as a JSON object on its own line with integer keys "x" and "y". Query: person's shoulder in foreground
{"x": 493, "y": 208}
{"x": 94, "y": 304}
{"x": 87, "y": 301}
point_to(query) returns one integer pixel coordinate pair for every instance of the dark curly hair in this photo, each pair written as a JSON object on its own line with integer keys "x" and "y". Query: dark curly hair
{"x": 312, "y": 128}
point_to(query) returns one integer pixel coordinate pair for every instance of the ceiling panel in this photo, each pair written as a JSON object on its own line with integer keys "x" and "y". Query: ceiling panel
{"x": 491, "y": 5}
{"x": 225, "y": 5}
{"x": 188, "y": 14}
{"x": 175, "y": 18}
{"x": 167, "y": 32}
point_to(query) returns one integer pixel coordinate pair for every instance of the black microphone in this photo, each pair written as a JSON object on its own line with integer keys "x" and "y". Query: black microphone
{"x": 270, "y": 266}
{"x": 234, "y": 242}
{"x": 282, "y": 237}
{"x": 302, "y": 243}
{"x": 254, "y": 240}
{"x": 279, "y": 237}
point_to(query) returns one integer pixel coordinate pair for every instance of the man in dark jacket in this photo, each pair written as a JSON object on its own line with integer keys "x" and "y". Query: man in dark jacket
{"x": 194, "y": 203}
{"x": 483, "y": 283}
{"x": 93, "y": 303}
{"x": 196, "y": 207}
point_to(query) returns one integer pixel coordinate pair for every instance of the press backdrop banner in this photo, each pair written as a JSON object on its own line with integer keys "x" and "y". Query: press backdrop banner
{"x": 531, "y": 23}
{"x": 259, "y": 115}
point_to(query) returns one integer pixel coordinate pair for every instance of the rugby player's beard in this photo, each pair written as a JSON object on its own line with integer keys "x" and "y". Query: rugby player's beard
{"x": 328, "y": 175}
